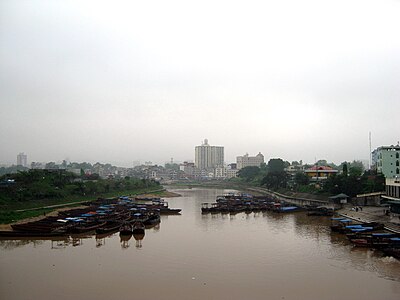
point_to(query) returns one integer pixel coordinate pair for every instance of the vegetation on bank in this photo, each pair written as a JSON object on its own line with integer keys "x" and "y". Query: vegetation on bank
{"x": 352, "y": 180}
{"x": 39, "y": 188}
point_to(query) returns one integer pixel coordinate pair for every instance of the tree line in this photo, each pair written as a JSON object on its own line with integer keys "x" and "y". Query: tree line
{"x": 49, "y": 184}
{"x": 352, "y": 179}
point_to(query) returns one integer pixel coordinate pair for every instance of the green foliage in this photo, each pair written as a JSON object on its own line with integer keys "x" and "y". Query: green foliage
{"x": 249, "y": 173}
{"x": 356, "y": 168}
{"x": 276, "y": 165}
{"x": 345, "y": 170}
{"x": 12, "y": 169}
{"x": 37, "y": 185}
{"x": 352, "y": 185}
{"x": 301, "y": 178}
{"x": 274, "y": 180}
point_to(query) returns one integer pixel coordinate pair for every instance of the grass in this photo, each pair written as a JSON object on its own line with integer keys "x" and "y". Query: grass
{"x": 11, "y": 216}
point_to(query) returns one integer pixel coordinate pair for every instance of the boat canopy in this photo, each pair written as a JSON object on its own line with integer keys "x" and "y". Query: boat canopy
{"x": 361, "y": 229}
{"x": 288, "y": 207}
{"x": 383, "y": 234}
{"x": 354, "y": 226}
{"x": 345, "y": 220}
{"x": 87, "y": 215}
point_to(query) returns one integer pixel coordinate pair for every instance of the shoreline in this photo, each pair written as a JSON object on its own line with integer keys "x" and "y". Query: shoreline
{"x": 67, "y": 206}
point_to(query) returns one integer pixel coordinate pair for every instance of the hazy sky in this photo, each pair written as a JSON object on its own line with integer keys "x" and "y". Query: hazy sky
{"x": 123, "y": 81}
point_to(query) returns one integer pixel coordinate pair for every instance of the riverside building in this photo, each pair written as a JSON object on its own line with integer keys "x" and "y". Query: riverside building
{"x": 386, "y": 161}
{"x": 249, "y": 161}
{"x": 208, "y": 157}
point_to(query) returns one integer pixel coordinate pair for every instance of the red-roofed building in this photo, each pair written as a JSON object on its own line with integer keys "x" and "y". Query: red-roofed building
{"x": 320, "y": 172}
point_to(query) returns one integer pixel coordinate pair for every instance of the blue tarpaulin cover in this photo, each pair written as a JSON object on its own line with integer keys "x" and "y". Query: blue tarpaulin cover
{"x": 288, "y": 208}
{"x": 354, "y": 226}
{"x": 382, "y": 234}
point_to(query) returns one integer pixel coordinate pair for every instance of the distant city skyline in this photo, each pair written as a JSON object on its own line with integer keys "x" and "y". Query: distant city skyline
{"x": 174, "y": 160}
{"x": 147, "y": 81}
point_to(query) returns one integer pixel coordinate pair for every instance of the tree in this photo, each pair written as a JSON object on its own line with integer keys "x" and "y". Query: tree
{"x": 51, "y": 165}
{"x": 249, "y": 173}
{"x": 276, "y": 165}
{"x": 276, "y": 176}
{"x": 345, "y": 171}
{"x": 356, "y": 168}
{"x": 274, "y": 180}
{"x": 301, "y": 178}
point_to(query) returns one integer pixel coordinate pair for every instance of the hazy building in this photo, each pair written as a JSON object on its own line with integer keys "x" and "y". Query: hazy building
{"x": 208, "y": 157}
{"x": 393, "y": 194}
{"x": 22, "y": 159}
{"x": 231, "y": 171}
{"x": 317, "y": 173}
{"x": 188, "y": 168}
{"x": 386, "y": 160}
{"x": 249, "y": 161}
{"x": 37, "y": 165}
{"x": 220, "y": 172}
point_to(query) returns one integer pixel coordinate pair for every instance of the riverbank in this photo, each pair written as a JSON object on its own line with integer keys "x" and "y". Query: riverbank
{"x": 10, "y": 216}
{"x": 54, "y": 210}
{"x": 372, "y": 214}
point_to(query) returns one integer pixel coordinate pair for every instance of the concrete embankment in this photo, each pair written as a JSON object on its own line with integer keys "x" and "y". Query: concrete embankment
{"x": 367, "y": 214}
{"x": 373, "y": 214}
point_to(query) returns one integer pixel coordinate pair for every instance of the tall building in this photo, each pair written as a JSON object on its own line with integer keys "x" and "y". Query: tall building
{"x": 386, "y": 161}
{"x": 209, "y": 157}
{"x": 249, "y": 161}
{"x": 22, "y": 159}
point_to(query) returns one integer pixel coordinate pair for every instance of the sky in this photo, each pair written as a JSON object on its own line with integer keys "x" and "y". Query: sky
{"x": 124, "y": 81}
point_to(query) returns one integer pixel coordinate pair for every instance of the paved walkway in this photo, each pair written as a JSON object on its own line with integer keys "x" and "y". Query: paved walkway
{"x": 373, "y": 214}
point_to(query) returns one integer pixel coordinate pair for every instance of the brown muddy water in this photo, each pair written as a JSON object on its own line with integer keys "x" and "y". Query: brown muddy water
{"x": 195, "y": 256}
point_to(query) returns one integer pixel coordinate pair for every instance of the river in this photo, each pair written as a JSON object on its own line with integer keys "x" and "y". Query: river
{"x": 201, "y": 256}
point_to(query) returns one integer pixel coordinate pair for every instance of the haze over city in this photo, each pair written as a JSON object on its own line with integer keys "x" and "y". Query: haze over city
{"x": 126, "y": 81}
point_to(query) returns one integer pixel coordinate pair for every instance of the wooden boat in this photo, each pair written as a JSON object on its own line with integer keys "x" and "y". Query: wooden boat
{"x": 110, "y": 226}
{"x": 138, "y": 227}
{"x": 339, "y": 223}
{"x": 320, "y": 211}
{"x": 153, "y": 219}
{"x": 287, "y": 209}
{"x": 393, "y": 251}
{"x": 125, "y": 229}
{"x": 379, "y": 240}
{"x": 85, "y": 227}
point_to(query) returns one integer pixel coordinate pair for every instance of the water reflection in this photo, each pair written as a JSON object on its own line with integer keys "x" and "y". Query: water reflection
{"x": 138, "y": 238}
{"x": 12, "y": 243}
{"x": 124, "y": 240}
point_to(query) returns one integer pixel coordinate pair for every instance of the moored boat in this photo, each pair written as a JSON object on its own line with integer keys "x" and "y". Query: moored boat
{"x": 138, "y": 227}
{"x": 125, "y": 229}
{"x": 109, "y": 226}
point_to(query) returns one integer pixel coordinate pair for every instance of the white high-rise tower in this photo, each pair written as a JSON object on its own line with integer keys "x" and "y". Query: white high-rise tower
{"x": 22, "y": 159}
{"x": 209, "y": 157}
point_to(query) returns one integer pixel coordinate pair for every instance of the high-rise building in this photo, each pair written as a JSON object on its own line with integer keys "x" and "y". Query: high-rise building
{"x": 386, "y": 161}
{"x": 209, "y": 157}
{"x": 22, "y": 159}
{"x": 249, "y": 161}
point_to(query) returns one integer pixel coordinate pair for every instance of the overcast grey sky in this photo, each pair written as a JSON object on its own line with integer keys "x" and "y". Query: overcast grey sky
{"x": 121, "y": 81}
